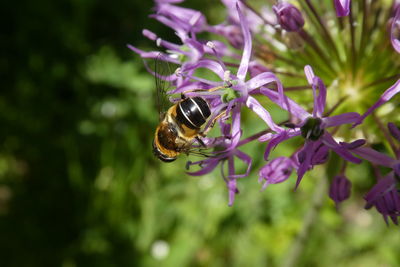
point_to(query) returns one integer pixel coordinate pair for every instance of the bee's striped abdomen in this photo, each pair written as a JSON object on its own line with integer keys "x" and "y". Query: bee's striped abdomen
{"x": 193, "y": 112}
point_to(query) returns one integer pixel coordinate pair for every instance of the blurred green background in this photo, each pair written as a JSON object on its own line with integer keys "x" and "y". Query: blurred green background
{"x": 79, "y": 185}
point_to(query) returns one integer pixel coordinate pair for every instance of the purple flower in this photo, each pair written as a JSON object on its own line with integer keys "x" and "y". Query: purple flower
{"x": 395, "y": 30}
{"x": 182, "y": 20}
{"x": 289, "y": 17}
{"x": 312, "y": 127}
{"x": 385, "y": 197}
{"x": 228, "y": 144}
{"x": 340, "y": 189}
{"x": 276, "y": 171}
{"x": 342, "y": 7}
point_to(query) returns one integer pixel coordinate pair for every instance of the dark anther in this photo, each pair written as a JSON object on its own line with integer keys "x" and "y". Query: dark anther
{"x": 312, "y": 129}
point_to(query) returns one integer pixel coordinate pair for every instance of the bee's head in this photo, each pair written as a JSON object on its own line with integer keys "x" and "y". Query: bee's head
{"x": 160, "y": 155}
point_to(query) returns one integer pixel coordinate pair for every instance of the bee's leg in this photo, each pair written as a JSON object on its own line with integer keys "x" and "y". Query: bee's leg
{"x": 199, "y": 90}
{"x": 205, "y": 132}
{"x": 200, "y": 142}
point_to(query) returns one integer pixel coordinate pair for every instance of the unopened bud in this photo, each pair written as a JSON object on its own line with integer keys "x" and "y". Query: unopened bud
{"x": 289, "y": 17}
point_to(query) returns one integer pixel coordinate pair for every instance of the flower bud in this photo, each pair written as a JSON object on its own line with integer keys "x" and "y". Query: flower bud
{"x": 276, "y": 171}
{"x": 340, "y": 189}
{"x": 289, "y": 17}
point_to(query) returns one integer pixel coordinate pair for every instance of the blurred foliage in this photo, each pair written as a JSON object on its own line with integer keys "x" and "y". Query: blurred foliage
{"x": 80, "y": 187}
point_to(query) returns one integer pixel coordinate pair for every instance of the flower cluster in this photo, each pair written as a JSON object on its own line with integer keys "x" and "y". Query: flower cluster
{"x": 258, "y": 50}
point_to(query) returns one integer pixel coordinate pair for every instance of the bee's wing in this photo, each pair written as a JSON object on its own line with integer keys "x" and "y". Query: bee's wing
{"x": 162, "y": 75}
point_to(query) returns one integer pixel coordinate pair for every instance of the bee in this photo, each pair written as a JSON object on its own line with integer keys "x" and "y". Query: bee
{"x": 181, "y": 124}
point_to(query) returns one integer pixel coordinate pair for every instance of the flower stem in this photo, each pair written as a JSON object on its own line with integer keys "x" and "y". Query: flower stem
{"x": 383, "y": 80}
{"x": 325, "y": 31}
{"x": 307, "y": 38}
{"x": 385, "y": 133}
{"x": 353, "y": 45}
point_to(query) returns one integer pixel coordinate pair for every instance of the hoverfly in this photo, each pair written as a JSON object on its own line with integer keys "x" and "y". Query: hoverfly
{"x": 181, "y": 124}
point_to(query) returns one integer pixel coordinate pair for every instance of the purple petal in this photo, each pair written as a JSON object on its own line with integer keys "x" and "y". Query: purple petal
{"x": 321, "y": 153}
{"x": 246, "y": 160}
{"x": 354, "y": 144}
{"x": 253, "y": 104}
{"x": 316, "y": 83}
{"x": 305, "y": 164}
{"x": 160, "y": 42}
{"x": 386, "y": 96}
{"x": 256, "y": 68}
{"x": 186, "y": 18}
{"x": 395, "y": 31}
{"x": 382, "y": 187}
{"x": 244, "y": 62}
{"x": 321, "y": 99}
{"x": 344, "y": 118}
{"x": 260, "y": 80}
{"x": 290, "y": 105}
{"x": 328, "y": 140}
{"x": 394, "y": 131}
{"x": 277, "y": 139}
{"x": 276, "y": 171}
{"x": 342, "y": 7}
{"x": 209, "y": 166}
{"x": 236, "y": 131}
{"x": 308, "y": 71}
{"x": 153, "y": 54}
{"x": 374, "y": 156}
{"x": 233, "y": 190}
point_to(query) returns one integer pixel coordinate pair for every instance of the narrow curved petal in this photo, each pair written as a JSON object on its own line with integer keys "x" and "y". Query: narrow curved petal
{"x": 344, "y": 118}
{"x": 319, "y": 104}
{"x": 328, "y": 140}
{"x": 246, "y": 159}
{"x": 305, "y": 165}
{"x": 253, "y": 104}
{"x": 233, "y": 190}
{"x": 394, "y": 131}
{"x": 395, "y": 31}
{"x": 160, "y": 42}
{"x": 355, "y": 144}
{"x": 308, "y": 71}
{"x": 290, "y": 105}
{"x": 244, "y": 62}
{"x": 374, "y": 156}
{"x": 152, "y": 54}
{"x": 382, "y": 187}
{"x": 260, "y": 79}
{"x": 283, "y": 100}
{"x": 209, "y": 167}
{"x": 317, "y": 84}
{"x": 207, "y": 64}
{"x": 386, "y": 96}
{"x": 277, "y": 139}
{"x": 342, "y": 7}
